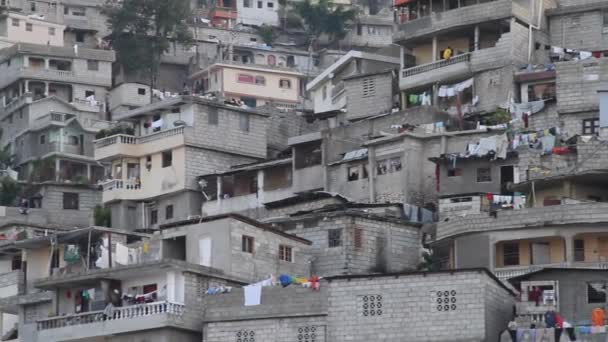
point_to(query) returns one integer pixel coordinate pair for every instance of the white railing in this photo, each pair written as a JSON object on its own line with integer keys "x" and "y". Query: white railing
{"x": 133, "y": 140}
{"x": 129, "y": 184}
{"x": 54, "y": 72}
{"x": 119, "y": 313}
{"x": 465, "y": 57}
{"x": 509, "y": 272}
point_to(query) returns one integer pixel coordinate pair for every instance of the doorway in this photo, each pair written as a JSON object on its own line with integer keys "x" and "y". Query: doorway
{"x": 507, "y": 176}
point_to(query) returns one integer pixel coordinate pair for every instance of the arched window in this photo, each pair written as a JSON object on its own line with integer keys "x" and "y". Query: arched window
{"x": 272, "y": 60}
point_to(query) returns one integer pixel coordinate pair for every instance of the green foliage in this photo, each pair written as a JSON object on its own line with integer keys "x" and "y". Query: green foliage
{"x": 323, "y": 17}
{"x": 113, "y": 131}
{"x": 82, "y": 180}
{"x": 501, "y": 116}
{"x": 42, "y": 170}
{"x": 293, "y": 21}
{"x": 268, "y": 34}
{"x": 142, "y": 30}
{"x": 102, "y": 216}
{"x": 9, "y": 190}
{"x": 6, "y": 160}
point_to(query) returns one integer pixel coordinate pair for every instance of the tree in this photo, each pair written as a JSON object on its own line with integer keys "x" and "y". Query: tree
{"x": 102, "y": 216}
{"x": 268, "y": 34}
{"x": 323, "y": 17}
{"x": 143, "y": 30}
{"x": 9, "y": 190}
{"x": 6, "y": 160}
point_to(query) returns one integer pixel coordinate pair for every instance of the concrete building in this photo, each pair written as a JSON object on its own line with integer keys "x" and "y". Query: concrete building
{"x": 154, "y": 169}
{"x": 257, "y": 13}
{"x": 327, "y": 90}
{"x": 369, "y": 307}
{"x": 241, "y": 247}
{"x": 485, "y": 40}
{"x": 254, "y": 85}
{"x": 19, "y": 28}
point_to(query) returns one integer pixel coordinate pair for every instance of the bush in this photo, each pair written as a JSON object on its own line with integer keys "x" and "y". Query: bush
{"x": 102, "y": 216}
{"x": 9, "y": 190}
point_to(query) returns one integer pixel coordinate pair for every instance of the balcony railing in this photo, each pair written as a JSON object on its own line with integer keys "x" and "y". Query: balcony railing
{"x": 466, "y": 57}
{"x": 133, "y": 140}
{"x": 510, "y": 272}
{"x": 119, "y": 313}
{"x": 129, "y": 184}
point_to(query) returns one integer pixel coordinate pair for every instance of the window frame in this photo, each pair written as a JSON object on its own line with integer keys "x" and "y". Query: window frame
{"x": 169, "y": 212}
{"x": 244, "y": 122}
{"x": 29, "y": 27}
{"x": 42, "y": 139}
{"x": 244, "y": 78}
{"x": 512, "y": 254}
{"x": 213, "y": 118}
{"x": 594, "y": 126}
{"x": 15, "y": 22}
{"x": 247, "y": 244}
{"x": 604, "y": 293}
{"x": 288, "y": 82}
{"x": 153, "y": 216}
{"x": 285, "y": 253}
{"x": 71, "y": 203}
{"x": 578, "y": 249}
{"x": 260, "y": 80}
{"x": 93, "y": 65}
{"x": 167, "y": 161}
{"x": 477, "y": 175}
{"x": 334, "y": 238}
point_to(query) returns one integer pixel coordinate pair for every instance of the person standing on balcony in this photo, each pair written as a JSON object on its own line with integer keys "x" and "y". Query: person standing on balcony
{"x": 447, "y": 53}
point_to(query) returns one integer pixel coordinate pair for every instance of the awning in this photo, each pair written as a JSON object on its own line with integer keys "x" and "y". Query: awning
{"x": 402, "y": 2}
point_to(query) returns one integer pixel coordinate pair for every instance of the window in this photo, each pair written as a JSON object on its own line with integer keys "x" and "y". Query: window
{"x": 80, "y": 37}
{"x": 212, "y": 117}
{"x": 454, "y": 172}
{"x": 579, "y": 250}
{"x": 15, "y": 22}
{"x": 247, "y": 3}
{"x": 369, "y": 87}
{"x": 270, "y": 4}
{"x": 285, "y": 253}
{"x": 591, "y": 126}
{"x": 510, "y": 254}
{"x": 359, "y": 29}
{"x": 285, "y": 84}
{"x": 324, "y": 92}
{"x": 596, "y": 292}
{"x": 272, "y": 60}
{"x": 167, "y": 158}
{"x": 260, "y": 4}
{"x": 80, "y": 12}
{"x": 358, "y": 238}
{"x": 70, "y": 200}
{"x": 395, "y": 164}
{"x": 244, "y": 78}
{"x": 484, "y": 175}
{"x": 260, "y": 80}
{"x": 244, "y": 122}
{"x": 168, "y": 212}
{"x": 29, "y": 27}
{"x": 66, "y": 10}
{"x": 88, "y": 93}
{"x": 154, "y": 216}
{"x": 10, "y": 119}
{"x": 51, "y": 31}
{"x": 16, "y": 263}
{"x": 73, "y": 140}
{"x": 253, "y": 39}
{"x": 33, "y": 6}
{"x": 334, "y": 238}
{"x": 141, "y": 91}
{"x": 247, "y": 244}
{"x": 605, "y": 18}
{"x": 93, "y": 65}
{"x": 353, "y": 173}
{"x": 42, "y": 139}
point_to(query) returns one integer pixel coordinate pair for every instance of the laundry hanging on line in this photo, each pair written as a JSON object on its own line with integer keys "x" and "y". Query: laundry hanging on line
{"x": 451, "y": 90}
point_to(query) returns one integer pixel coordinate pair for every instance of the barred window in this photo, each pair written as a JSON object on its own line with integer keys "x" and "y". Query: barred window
{"x": 285, "y": 253}
{"x": 334, "y": 237}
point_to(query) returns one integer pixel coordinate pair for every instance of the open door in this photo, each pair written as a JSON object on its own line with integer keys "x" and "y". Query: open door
{"x": 204, "y": 251}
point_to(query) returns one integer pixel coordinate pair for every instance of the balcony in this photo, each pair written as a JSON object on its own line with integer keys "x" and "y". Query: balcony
{"x": 557, "y": 215}
{"x": 123, "y": 320}
{"x": 456, "y": 67}
{"x": 464, "y": 16}
{"x": 118, "y": 189}
{"x": 244, "y": 202}
{"x": 88, "y": 106}
{"x": 505, "y": 273}
{"x": 131, "y": 146}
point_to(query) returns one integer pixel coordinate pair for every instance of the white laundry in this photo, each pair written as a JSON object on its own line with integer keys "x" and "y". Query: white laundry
{"x": 443, "y": 91}
{"x": 122, "y": 254}
{"x": 585, "y": 54}
{"x": 253, "y": 295}
{"x": 157, "y": 124}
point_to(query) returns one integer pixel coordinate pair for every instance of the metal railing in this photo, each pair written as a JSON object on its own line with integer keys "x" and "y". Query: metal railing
{"x": 510, "y": 272}
{"x": 129, "y": 184}
{"x": 465, "y": 57}
{"x": 118, "y": 313}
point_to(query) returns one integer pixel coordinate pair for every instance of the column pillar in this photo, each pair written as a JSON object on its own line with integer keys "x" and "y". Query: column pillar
{"x": 569, "y": 245}
{"x": 435, "y": 52}
{"x": 371, "y": 172}
{"x": 476, "y": 43}
{"x": 435, "y": 94}
{"x": 57, "y": 168}
{"x": 46, "y": 88}
{"x": 27, "y": 86}
{"x": 405, "y": 172}
{"x": 89, "y": 172}
{"x": 47, "y": 64}
{"x": 61, "y": 139}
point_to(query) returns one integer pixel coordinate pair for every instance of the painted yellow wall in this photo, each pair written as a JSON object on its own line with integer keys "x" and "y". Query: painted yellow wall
{"x": 524, "y": 253}
{"x": 557, "y": 250}
{"x": 270, "y": 91}
{"x": 591, "y": 248}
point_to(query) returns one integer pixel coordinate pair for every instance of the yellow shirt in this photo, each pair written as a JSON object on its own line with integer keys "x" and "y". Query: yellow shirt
{"x": 447, "y": 53}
